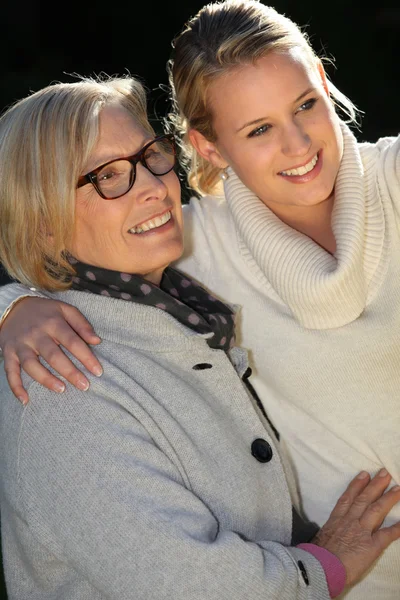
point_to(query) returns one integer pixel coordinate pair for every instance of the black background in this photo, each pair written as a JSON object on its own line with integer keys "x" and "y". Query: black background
{"x": 42, "y": 42}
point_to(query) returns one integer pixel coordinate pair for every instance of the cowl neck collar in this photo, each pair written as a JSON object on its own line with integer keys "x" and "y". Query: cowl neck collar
{"x": 321, "y": 290}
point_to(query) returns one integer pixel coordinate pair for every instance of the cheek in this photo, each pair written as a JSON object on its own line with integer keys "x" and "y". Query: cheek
{"x": 257, "y": 164}
{"x": 174, "y": 192}
{"x": 331, "y": 120}
{"x": 95, "y": 225}
{"x": 334, "y": 134}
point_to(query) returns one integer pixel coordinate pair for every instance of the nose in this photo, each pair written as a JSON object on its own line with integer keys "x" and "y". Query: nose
{"x": 295, "y": 140}
{"x": 148, "y": 186}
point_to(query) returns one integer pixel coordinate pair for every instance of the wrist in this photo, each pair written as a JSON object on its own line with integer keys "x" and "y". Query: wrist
{"x": 334, "y": 569}
{"x": 10, "y": 308}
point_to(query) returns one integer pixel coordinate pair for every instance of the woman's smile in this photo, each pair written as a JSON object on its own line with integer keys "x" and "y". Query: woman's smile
{"x": 157, "y": 223}
{"x": 306, "y": 172}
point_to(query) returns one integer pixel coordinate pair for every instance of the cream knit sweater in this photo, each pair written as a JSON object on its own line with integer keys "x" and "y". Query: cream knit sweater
{"x": 323, "y": 331}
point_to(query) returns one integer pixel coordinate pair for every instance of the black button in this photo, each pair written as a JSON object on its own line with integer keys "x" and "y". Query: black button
{"x": 261, "y": 450}
{"x": 247, "y": 373}
{"x": 202, "y": 366}
{"x": 303, "y": 572}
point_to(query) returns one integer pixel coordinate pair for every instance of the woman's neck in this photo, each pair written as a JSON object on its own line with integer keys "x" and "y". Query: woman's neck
{"x": 313, "y": 221}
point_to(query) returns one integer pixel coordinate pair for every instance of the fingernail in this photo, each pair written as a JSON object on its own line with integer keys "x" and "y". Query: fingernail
{"x": 395, "y": 488}
{"x": 383, "y": 473}
{"x": 97, "y": 371}
{"x": 23, "y": 400}
{"x": 362, "y": 475}
{"x": 82, "y": 384}
{"x": 59, "y": 387}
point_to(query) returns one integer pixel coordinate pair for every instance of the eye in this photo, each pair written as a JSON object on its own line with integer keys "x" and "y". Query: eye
{"x": 113, "y": 171}
{"x": 152, "y": 153}
{"x": 105, "y": 175}
{"x": 307, "y": 105}
{"x": 259, "y": 131}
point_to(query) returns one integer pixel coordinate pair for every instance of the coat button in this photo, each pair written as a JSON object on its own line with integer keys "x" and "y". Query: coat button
{"x": 202, "y": 366}
{"x": 261, "y": 450}
{"x": 303, "y": 572}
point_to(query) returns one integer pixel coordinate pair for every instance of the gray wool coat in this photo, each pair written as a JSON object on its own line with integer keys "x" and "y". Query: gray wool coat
{"x": 149, "y": 485}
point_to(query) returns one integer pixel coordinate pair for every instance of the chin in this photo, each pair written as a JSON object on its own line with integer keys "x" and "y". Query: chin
{"x": 319, "y": 196}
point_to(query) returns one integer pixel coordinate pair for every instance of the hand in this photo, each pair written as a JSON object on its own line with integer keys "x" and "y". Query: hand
{"x": 353, "y": 532}
{"x": 37, "y": 327}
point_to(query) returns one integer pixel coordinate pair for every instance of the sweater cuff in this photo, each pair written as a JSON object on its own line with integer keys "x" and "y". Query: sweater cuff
{"x": 335, "y": 572}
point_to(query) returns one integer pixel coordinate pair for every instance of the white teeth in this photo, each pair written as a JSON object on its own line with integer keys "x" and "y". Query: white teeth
{"x": 152, "y": 223}
{"x": 304, "y": 169}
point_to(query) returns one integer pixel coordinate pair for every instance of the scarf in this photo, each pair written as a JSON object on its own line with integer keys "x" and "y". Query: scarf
{"x": 178, "y": 295}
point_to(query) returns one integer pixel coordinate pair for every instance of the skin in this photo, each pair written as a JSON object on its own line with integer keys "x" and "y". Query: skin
{"x": 102, "y": 237}
{"x": 281, "y": 118}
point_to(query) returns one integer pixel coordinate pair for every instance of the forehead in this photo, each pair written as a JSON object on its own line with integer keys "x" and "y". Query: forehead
{"x": 266, "y": 85}
{"x": 120, "y": 134}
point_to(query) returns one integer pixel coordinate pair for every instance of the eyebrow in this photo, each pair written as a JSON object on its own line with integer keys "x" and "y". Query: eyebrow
{"x": 262, "y": 119}
{"x": 103, "y": 161}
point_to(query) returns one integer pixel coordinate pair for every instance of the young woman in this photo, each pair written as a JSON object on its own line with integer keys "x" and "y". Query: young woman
{"x": 303, "y": 235}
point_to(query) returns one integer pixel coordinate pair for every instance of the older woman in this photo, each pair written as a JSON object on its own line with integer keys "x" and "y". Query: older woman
{"x": 165, "y": 479}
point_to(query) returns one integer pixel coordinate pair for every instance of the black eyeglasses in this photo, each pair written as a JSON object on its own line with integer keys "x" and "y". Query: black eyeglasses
{"x": 116, "y": 177}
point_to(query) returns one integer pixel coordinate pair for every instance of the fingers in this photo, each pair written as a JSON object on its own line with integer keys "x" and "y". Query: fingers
{"x": 13, "y": 374}
{"x": 355, "y": 487}
{"x": 75, "y": 338}
{"x": 30, "y": 363}
{"x": 28, "y": 360}
{"x": 385, "y": 536}
{"x": 56, "y": 358}
{"x": 365, "y": 499}
{"x": 80, "y": 324}
{"x": 39, "y": 332}
{"x": 378, "y": 510}
{"x": 370, "y": 494}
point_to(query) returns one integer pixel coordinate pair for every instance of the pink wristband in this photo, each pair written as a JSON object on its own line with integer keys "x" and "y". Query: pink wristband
{"x": 335, "y": 572}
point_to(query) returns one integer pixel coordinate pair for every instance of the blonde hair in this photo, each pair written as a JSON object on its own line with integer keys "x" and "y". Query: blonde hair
{"x": 220, "y": 37}
{"x": 45, "y": 141}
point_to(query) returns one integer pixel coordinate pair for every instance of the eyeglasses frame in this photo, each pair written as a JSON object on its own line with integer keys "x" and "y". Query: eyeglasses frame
{"x": 134, "y": 159}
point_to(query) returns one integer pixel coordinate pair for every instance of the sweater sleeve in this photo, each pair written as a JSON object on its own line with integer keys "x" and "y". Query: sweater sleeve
{"x": 119, "y": 512}
{"x": 334, "y": 569}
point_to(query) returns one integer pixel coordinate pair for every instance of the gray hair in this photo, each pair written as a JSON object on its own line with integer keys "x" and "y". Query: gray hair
{"x": 45, "y": 141}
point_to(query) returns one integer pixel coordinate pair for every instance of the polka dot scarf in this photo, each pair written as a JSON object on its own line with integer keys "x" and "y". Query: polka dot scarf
{"x": 177, "y": 295}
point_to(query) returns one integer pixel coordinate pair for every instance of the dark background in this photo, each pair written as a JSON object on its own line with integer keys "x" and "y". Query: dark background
{"x": 42, "y": 42}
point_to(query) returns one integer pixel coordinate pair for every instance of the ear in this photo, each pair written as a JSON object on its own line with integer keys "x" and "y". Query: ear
{"x": 322, "y": 74}
{"x": 208, "y": 150}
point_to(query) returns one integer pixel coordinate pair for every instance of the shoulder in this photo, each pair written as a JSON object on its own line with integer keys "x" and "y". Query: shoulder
{"x": 384, "y": 146}
{"x": 207, "y": 219}
{"x": 203, "y": 218}
{"x": 200, "y": 211}
{"x": 381, "y": 163}
{"x": 77, "y": 428}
